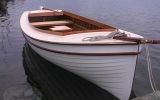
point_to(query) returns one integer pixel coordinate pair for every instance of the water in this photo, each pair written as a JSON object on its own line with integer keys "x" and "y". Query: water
{"x": 141, "y": 17}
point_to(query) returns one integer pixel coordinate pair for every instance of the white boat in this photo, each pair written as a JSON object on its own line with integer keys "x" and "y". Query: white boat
{"x": 84, "y": 47}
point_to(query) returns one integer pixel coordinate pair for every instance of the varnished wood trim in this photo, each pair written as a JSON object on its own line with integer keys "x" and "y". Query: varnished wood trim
{"x": 51, "y": 23}
{"x": 73, "y": 17}
{"x": 78, "y": 17}
{"x": 84, "y": 54}
{"x": 87, "y": 31}
{"x": 87, "y": 20}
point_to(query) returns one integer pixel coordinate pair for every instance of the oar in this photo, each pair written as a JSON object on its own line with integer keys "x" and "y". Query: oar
{"x": 60, "y": 12}
{"x": 43, "y": 8}
{"x": 138, "y": 40}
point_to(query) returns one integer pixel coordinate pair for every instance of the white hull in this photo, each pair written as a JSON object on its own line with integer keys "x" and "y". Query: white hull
{"x": 112, "y": 73}
{"x": 109, "y": 66}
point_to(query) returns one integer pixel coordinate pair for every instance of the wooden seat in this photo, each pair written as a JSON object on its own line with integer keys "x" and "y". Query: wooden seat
{"x": 51, "y": 23}
{"x": 61, "y": 28}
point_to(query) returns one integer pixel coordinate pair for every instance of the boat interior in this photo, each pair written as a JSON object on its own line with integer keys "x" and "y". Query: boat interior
{"x": 65, "y": 23}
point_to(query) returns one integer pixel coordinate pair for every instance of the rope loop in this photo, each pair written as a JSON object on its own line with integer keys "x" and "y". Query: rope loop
{"x": 150, "y": 72}
{"x": 103, "y": 37}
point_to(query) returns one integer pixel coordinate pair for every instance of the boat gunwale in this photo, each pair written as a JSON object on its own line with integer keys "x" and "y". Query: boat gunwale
{"x": 84, "y": 54}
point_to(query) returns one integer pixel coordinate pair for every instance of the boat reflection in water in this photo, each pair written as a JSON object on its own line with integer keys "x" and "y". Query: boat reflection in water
{"x": 58, "y": 84}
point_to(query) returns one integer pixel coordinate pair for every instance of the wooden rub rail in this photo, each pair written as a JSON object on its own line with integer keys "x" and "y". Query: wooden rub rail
{"x": 137, "y": 40}
{"x": 50, "y": 23}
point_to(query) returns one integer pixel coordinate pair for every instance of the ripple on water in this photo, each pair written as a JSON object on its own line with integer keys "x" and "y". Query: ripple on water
{"x": 20, "y": 92}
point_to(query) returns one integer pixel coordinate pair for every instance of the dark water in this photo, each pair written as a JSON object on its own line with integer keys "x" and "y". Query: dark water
{"x": 139, "y": 16}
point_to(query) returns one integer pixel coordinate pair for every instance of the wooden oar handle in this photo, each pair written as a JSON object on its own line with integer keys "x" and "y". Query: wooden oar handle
{"x": 47, "y": 9}
{"x": 155, "y": 41}
{"x": 138, "y": 40}
{"x": 128, "y": 39}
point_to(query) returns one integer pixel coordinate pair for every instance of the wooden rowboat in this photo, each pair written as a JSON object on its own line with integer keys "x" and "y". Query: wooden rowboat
{"x": 84, "y": 47}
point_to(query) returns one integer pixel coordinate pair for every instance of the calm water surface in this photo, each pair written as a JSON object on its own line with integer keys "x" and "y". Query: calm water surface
{"x": 139, "y": 16}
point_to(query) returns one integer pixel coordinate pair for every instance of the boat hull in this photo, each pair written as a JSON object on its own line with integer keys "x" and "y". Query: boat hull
{"x": 112, "y": 71}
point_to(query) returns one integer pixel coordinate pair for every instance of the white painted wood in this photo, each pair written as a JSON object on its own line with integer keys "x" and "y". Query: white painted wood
{"x": 86, "y": 48}
{"x": 115, "y": 74}
{"x": 112, "y": 73}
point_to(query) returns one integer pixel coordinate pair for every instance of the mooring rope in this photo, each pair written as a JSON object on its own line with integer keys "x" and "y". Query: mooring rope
{"x": 150, "y": 74}
{"x": 103, "y": 37}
